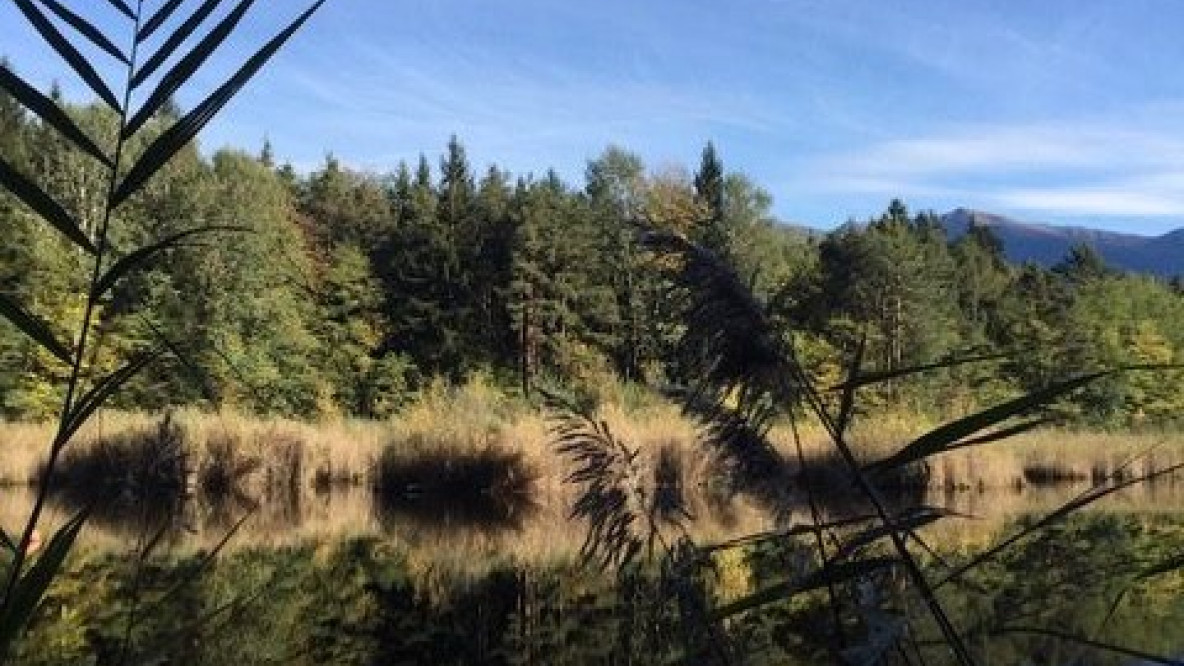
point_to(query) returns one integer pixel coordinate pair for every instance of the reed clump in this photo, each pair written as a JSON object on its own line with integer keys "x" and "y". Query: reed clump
{"x": 488, "y": 488}
{"x": 477, "y": 433}
{"x": 145, "y": 466}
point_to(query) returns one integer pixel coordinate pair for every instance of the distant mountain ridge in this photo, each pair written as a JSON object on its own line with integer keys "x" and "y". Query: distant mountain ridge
{"x": 1048, "y": 244}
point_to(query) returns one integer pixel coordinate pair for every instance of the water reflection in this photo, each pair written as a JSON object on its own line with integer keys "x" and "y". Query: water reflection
{"x": 340, "y": 577}
{"x": 521, "y": 528}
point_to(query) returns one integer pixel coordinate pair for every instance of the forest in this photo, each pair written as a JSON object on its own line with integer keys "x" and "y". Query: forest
{"x": 345, "y": 292}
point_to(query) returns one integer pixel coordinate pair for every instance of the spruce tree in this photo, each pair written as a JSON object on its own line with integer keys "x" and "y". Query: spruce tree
{"x": 614, "y": 184}
{"x": 419, "y": 265}
{"x": 709, "y": 188}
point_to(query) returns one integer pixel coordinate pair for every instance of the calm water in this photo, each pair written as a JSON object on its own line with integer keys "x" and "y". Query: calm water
{"x": 336, "y": 578}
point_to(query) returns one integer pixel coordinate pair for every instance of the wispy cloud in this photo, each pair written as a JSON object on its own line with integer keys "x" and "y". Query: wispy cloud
{"x": 1093, "y": 168}
{"x": 1088, "y": 200}
{"x": 529, "y": 113}
{"x": 833, "y": 105}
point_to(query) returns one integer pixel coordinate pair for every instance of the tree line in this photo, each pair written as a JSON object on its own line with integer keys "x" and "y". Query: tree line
{"x": 342, "y": 292}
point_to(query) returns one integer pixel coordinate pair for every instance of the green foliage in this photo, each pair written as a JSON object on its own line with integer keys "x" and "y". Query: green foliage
{"x": 894, "y": 280}
{"x": 351, "y": 289}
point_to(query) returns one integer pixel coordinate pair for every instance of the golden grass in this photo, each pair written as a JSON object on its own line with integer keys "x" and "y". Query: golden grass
{"x": 476, "y": 417}
{"x": 1066, "y": 454}
{"x": 335, "y": 450}
{"x": 24, "y": 446}
{"x": 330, "y": 466}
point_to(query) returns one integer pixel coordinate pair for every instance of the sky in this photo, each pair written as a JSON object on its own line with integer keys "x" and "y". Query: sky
{"x": 1058, "y": 111}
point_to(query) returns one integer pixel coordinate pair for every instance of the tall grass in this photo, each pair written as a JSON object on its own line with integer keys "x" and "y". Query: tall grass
{"x": 454, "y": 423}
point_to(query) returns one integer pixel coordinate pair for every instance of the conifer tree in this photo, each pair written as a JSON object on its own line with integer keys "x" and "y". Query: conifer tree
{"x": 420, "y": 267}
{"x": 709, "y": 188}
{"x": 614, "y": 184}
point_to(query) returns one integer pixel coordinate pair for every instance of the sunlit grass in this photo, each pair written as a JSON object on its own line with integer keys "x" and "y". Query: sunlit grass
{"x": 297, "y": 482}
{"x": 452, "y": 422}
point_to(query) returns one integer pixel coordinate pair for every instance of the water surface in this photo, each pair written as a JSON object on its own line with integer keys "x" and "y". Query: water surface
{"x": 337, "y": 577}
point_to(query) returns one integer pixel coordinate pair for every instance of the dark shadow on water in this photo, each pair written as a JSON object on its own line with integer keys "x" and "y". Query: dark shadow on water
{"x": 786, "y": 489}
{"x": 670, "y": 503}
{"x": 486, "y": 490}
{"x": 1051, "y": 475}
{"x": 442, "y": 515}
{"x": 136, "y": 479}
{"x": 144, "y": 483}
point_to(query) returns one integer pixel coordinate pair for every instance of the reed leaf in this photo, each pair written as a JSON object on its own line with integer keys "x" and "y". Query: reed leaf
{"x": 50, "y": 113}
{"x": 729, "y": 346}
{"x": 204, "y": 564}
{"x": 1003, "y": 433}
{"x": 86, "y": 29}
{"x": 68, "y": 53}
{"x": 143, "y": 255}
{"x": 879, "y": 377}
{"x": 27, "y": 585}
{"x": 157, "y": 19}
{"x": 1166, "y": 566}
{"x": 35, "y": 328}
{"x": 833, "y": 574}
{"x": 606, "y": 469}
{"x": 1075, "y": 504}
{"x": 123, "y": 8}
{"x": 947, "y": 436}
{"x": 185, "y": 129}
{"x": 751, "y": 461}
{"x": 176, "y": 77}
{"x": 93, "y": 399}
{"x": 735, "y": 354}
{"x": 850, "y": 387}
{"x": 951, "y": 435}
{"x": 44, "y": 205}
{"x": 795, "y": 531}
{"x": 174, "y": 40}
{"x": 905, "y": 522}
{"x": 1144, "y": 657}
{"x": 31, "y": 587}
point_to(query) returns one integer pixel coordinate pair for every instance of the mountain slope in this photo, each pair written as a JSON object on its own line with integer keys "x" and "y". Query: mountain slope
{"x": 1047, "y": 245}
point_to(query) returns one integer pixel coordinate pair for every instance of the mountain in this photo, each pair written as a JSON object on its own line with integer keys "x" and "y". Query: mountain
{"x": 1047, "y": 245}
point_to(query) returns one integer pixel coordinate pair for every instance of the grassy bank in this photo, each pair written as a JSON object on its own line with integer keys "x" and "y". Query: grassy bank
{"x": 466, "y": 475}
{"x": 477, "y": 440}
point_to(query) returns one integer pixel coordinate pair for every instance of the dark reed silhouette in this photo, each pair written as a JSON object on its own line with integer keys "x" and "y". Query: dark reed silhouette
{"x": 145, "y": 141}
{"x": 875, "y": 571}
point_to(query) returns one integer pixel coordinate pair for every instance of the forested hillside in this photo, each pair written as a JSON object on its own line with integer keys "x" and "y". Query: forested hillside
{"x": 344, "y": 292}
{"x": 1161, "y": 255}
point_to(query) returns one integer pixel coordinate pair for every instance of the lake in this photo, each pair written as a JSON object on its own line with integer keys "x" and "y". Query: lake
{"x": 338, "y": 577}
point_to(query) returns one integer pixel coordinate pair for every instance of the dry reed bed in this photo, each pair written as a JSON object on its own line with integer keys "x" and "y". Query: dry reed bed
{"x": 337, "y": 463}
{"x": 477, "y": 422}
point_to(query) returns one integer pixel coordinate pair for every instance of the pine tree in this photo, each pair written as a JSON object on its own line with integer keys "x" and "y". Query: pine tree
{"x": 764, "y": 253}
{"x": 267, "y": 154}
{"x": 615, "y": 187}
{"x": 894, "y": 281}
{"x": 1083, "y": 264}
{"x": 982, "y": 278}
{"x": 363, "y": 378}
{"x": 529, "y": 280}
{"x": 557, "y": 309}
{"x": 419, "y": 265}
{"x": 491, "y": 257}
{"x": 709, "y": 189}
{"x": 346, "y": 208}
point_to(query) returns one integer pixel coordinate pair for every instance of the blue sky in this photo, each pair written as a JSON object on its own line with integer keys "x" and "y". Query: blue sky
{"x": 1058, "y": 111}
